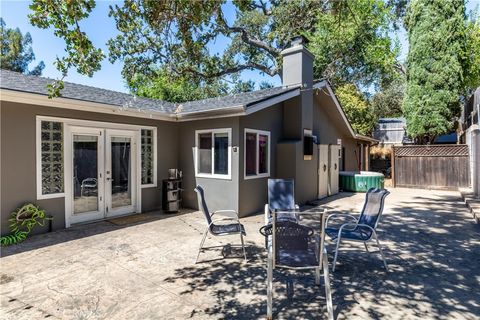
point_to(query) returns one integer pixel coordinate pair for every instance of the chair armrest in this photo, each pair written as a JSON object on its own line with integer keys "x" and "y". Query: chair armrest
{"x": 365, "y": 225}
{"x": 267, "y": 214}
{"x": 353, "y": 225}
{"x": 337, "y": 215}
{"x": 223, "y": 219}
{"x": 226, "y": 213}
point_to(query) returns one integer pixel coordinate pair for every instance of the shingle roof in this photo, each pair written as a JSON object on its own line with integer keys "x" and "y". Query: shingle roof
{"x": 33, "y": 84}
{"x": 242, "y": 99}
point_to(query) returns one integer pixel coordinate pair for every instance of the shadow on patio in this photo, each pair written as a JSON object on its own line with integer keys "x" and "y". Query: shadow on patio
{"x": 145, "y": 269}
{"x": 432, "y": 247}
{"x": 38, "y": 241}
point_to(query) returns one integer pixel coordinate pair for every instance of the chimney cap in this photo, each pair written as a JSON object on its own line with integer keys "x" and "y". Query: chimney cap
{"x": 299, "y": 40}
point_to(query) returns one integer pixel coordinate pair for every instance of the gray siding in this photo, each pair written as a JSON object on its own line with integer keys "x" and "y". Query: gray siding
{"x": 290, "y": 164}
{"x": 328, "y": 126}
{"x": 176, "y": 143}
{"x": 18, "y": 171}
{"x": 220, "y": 193}
{"x": 253, "y": 192}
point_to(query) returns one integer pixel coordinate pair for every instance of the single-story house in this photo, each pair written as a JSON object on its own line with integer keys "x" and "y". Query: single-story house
{"x": 94, "y": 154}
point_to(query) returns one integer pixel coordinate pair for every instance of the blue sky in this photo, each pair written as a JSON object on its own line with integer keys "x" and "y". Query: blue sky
{"x": 100, "y": 28}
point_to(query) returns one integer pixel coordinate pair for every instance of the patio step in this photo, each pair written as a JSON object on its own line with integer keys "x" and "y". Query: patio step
{"x": 472, "y": 202}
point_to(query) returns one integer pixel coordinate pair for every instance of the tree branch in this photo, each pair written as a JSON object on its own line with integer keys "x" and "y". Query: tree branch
{"x": 227, "y": 71}
{"x": 263, "y": 7}
{"x": 246, "y": 38}
{"x": 400, "y": 68}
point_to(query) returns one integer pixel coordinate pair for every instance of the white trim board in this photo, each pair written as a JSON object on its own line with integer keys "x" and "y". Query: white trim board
{"x": 81, "y": 105}
{"x": 213, "y": 175}
{"x": 272, "y": 101}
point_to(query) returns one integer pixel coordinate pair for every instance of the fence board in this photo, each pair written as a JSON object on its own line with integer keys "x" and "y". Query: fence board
{"x": 432, "y": 167}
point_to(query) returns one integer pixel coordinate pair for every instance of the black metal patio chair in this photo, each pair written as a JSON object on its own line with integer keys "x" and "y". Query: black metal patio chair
{"x": 362, "y": 229}
{"x": 219, "y": 229}
{"x": 281, "y": 197}
{"x": 291, "y": 244}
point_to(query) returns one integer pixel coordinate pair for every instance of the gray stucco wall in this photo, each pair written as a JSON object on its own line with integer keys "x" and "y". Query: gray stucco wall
{"x": 292, "y": 129}
{"x": 175, "y": 149}
{"x": 328, "y": 126}
{"x": 18, "y": 171}
{"x": 220, "y": 193}
{"x": 291, "y": 164}
{"x": 253, "y": 192}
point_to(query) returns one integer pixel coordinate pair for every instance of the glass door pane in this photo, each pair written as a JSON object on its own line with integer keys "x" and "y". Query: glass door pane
{"x": 221, "y": 153}
{"x": 85, "y": 173}
{"x": 121, "y": 172}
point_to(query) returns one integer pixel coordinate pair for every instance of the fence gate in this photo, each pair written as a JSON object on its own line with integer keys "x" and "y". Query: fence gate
{"x": 431, "y": 166}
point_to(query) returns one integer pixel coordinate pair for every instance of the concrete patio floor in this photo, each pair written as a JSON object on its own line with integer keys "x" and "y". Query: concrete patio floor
{"x": 145, "y": 270}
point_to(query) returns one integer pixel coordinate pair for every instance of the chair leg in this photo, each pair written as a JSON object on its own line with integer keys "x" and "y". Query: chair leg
{"x": 328, "y": 292}
{"x": 366, "y": 248}
{"x": 269, "y": 284}
{"x": 243, "y": 247}
{"x": 339, "y": 239}
{"x": 201, "y": 244}
{"x": 317, "y": 276}
{"x": 380, "y": 249}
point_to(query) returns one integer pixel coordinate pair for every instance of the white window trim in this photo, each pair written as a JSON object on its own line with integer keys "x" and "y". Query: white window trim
{"x": 154, "y": 151}
{"x": 38, "y": 156}
{"x": 258, "y": 175}
{"x": 213, "y": 175}
{"x": 88, "y": 123}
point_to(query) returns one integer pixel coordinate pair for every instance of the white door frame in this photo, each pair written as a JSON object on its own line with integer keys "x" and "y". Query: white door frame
{"x": 334, "y": 166}
{"x": 323, "y": 170}
{"x": 70, "y": 131}
{"x": 110, "y": 211}
{"x": 68, "y": 162}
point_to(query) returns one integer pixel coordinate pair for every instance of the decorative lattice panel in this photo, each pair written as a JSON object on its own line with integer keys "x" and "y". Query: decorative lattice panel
{"x": 147, "y": 156}
{"x": 432, "y": 151}
{"x": 52, "y": 157}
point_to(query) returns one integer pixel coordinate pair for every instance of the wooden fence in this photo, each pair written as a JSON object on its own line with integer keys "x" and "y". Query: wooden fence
{"x": 431, "y": 166}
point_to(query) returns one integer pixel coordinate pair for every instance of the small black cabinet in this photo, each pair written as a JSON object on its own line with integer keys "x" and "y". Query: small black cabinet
{"x": 171, "y": 195}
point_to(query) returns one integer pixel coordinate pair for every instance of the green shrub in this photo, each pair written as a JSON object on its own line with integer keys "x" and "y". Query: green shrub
{"x": 22, "y": 221}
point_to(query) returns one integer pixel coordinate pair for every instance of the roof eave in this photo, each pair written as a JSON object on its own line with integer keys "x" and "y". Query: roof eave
{"x": 210, "y": 113}
{"x": 326, "y": 84}
{"x": 366, "y": 138}
{"x": 238, "y": 110}
{"x": 82, "y": 105}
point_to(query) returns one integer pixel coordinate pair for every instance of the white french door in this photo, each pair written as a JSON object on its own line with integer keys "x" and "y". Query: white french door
{"x": 102, "y": 171}
{"x": 120, "y": 172}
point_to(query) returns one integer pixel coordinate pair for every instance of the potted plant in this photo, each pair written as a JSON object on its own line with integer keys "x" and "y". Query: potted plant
{"x": 22, "y": 221}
